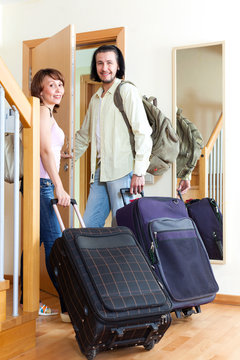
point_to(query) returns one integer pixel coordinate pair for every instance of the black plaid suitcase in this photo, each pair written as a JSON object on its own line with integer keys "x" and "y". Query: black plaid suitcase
{"x": 113, "y": 297}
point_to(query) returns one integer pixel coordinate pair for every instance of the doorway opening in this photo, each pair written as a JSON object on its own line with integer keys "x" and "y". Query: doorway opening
{"x": 88, "y": 40}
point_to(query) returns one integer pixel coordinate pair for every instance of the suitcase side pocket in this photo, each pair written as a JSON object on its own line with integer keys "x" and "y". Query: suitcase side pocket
{"x": 120, "y": 274}
{"x": 182, "y": 259}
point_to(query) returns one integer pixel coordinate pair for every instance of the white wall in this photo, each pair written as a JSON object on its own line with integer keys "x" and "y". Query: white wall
{"x": 0, "y": 25}
{"x": 153, "y": 28}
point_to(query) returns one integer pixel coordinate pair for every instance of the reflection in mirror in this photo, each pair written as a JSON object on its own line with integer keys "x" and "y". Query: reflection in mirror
{"x": 198, "y": 92}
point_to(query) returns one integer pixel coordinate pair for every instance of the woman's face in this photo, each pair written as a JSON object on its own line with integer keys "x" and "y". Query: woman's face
{"x": 52, "y": 91}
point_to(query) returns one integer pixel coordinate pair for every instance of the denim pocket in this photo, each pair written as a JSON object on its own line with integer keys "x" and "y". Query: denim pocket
{"x": 46, "y": 188}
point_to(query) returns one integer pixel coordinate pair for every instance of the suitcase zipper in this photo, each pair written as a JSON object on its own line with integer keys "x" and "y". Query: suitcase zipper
{"x": 218, "y": 243}
{"x": 138, "y": 225}
{"x": 219, "y": 218}
{"x": 215, "y": 210}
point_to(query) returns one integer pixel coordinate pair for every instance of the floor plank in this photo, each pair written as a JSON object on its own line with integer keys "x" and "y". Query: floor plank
{"x": 214, "y": 334}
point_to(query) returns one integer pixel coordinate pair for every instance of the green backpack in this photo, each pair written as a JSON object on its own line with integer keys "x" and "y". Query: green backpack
{"x": 191, "y": 144}
{"x": 165, "y": 140}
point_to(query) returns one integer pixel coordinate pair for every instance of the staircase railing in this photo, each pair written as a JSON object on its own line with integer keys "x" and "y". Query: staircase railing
{"x": 29, "y": 112}
{"x": 210, "y": 166}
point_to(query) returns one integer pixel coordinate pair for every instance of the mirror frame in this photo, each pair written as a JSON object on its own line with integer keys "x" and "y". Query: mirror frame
{"x": 174, "y": 104}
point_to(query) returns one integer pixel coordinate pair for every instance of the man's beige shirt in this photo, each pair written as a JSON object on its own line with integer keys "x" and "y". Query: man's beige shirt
{"x": 116, "y": 153}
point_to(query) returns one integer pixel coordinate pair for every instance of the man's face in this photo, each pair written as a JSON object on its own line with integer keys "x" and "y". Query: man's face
{"x": 107, "y": 66}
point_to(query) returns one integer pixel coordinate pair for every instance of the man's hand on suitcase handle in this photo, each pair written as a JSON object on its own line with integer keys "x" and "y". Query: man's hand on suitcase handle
{"x": 180, "y": 195}
{"x": 184, "y": 186}
{"x": 137, "y": 184}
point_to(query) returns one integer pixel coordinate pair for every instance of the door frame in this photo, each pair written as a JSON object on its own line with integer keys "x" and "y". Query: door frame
{"x": 83, "y": 41}
{"x": 87, "y": 89}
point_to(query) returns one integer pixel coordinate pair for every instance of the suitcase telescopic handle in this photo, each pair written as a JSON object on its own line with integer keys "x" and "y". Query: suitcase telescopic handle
{"x": 123, "y": 191}
{"x": 74, "y": 204}
{"x": 180, "y": 195}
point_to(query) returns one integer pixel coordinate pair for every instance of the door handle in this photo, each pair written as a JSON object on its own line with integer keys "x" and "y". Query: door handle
{"x": 65, "y": 168}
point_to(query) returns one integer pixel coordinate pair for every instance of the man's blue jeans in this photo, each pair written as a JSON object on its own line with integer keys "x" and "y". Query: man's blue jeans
{"x": 103, "y": 197}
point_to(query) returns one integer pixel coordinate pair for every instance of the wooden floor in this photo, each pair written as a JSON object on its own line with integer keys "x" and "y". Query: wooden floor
{"x": 214, "y": 334}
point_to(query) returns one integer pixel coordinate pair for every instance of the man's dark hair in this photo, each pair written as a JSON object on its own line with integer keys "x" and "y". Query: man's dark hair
{"x": 120, "y": 60}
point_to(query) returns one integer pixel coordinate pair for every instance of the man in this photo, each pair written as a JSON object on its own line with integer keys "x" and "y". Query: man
{"x": 112, "y": 163}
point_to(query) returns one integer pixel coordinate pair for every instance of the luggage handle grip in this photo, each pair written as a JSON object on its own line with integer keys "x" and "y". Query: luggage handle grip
{"x": 74, "y": 204}
{"x": 55, "y": 201}
{"x": 127, "y": 190}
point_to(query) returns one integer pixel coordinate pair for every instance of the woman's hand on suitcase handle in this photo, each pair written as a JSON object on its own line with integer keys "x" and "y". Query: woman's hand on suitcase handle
{"x": 63, "y": 197}
{"x": 137, "y": 184}
{"x": 55, "y": 202}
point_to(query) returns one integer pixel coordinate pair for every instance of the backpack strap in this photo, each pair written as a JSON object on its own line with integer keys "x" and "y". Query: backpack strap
{"x": 118, "y": 101}
{"x": 151, "y": 99}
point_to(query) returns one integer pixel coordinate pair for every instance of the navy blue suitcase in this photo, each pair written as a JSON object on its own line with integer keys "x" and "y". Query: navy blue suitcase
{"x": 208, "y": 219}
{"x": 172, "y": 242}
{"x": 113, "y": 297}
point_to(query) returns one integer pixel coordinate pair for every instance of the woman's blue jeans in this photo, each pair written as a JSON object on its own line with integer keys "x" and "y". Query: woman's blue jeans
{"x": 103, "y": 197}
{"x": 49, "y": 228}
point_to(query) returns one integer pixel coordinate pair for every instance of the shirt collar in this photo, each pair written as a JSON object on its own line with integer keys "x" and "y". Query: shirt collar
{"x": 111, "y": 90}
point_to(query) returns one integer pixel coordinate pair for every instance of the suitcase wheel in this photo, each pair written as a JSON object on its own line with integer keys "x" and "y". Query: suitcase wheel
{"x": 188, "y": 312}
{"x": 91, "y": 354}
{"x": 149, "y": 345}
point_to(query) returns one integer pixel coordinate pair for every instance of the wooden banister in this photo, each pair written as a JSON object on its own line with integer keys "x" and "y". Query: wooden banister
{"x": 29, "y": 110}
{"x": 214, "y": 135}
{"x": 203, "y": 171}
{"x": 31, "y": 210}
{"x": 203, "y": 161}
{"x": 14, "y": 95}
{"x": 4, "y": 286}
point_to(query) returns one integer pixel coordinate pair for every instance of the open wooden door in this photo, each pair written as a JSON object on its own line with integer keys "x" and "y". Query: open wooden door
{"x": 59, "y": 52}
{"x": 87, "y": 89}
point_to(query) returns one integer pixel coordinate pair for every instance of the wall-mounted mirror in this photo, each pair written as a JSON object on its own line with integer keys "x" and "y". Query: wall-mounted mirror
{"x": 198, "y": 90}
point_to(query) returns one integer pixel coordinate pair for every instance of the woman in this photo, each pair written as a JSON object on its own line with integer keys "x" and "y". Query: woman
{"x": 48, "y": 86}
